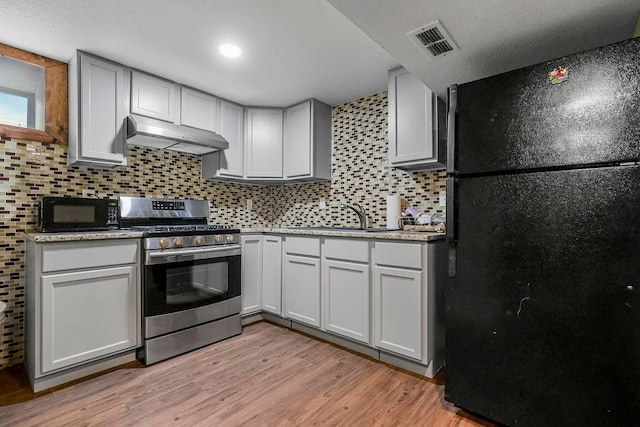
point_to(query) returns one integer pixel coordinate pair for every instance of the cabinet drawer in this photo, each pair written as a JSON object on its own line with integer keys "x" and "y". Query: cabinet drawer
{"x": 102, "y": 253}
{"x": 302, "y": 246}
{"x": 351, "y": 250}
{"x": 407, "y": 255}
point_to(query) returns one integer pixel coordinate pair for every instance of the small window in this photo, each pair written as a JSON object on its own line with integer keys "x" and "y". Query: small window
{"x": 21, "y": 94}
{"x": 17, "y": 108}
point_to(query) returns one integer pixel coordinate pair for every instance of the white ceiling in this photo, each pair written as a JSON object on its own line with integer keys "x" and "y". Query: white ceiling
{"x": 299, "y": 49}
{"x": 292, "y": 49}
{"x": 493, "y": 36}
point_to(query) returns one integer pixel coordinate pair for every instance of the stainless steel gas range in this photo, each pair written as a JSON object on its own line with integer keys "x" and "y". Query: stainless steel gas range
{"x": 191, "y": 275}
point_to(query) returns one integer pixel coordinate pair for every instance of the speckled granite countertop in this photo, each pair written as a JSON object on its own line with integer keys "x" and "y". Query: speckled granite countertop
{"x": 299, "y": 231}
{"x": 378, "y": 235}
{"x": 83, "y": 235}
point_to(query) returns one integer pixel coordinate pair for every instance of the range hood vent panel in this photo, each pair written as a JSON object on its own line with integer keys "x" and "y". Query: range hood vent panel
{"x": 158, "y": 134}
{"x": 433, "y": 38}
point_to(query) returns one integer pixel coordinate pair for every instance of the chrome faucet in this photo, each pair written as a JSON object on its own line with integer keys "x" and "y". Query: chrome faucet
{"x": 362, "y": 216}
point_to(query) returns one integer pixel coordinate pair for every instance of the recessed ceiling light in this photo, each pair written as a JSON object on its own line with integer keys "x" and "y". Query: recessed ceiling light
{"x": 230, "y": 50}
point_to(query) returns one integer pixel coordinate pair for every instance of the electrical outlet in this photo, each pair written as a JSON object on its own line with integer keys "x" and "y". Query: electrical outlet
{"x": 443, "y": 200}
{"x": 249, "y": 204}
{"x": 322, "y": 204}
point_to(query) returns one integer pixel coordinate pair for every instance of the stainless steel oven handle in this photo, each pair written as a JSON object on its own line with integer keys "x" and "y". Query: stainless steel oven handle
{"x": 217, "y": 251}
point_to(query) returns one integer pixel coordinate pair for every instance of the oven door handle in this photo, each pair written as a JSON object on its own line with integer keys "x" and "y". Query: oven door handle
{"x": 198, "y": 253}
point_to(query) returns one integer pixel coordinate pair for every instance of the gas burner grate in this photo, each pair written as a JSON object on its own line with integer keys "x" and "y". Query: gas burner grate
{"x": 180, "y": 228}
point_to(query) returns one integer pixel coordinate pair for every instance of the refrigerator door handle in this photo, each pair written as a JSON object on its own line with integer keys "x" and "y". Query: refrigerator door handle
{"x": 452, "y": 237}
{"x": 451, "y": 128}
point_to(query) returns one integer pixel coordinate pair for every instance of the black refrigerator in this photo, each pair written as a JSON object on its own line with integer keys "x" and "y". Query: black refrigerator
{"x": 543, "y": 229}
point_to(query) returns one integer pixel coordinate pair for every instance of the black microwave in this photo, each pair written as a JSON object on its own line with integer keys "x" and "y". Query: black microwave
{"x": 56, "y": 214}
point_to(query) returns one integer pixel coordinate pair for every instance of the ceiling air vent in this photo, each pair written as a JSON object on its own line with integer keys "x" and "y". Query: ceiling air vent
{"x": 433, "y": 38}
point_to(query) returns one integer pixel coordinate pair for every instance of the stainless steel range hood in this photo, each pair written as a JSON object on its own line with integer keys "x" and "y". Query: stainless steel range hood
{"x": 156, "y": 133}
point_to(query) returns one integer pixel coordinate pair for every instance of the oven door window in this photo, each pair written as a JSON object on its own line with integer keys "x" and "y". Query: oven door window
{"x": 182, "y": 285}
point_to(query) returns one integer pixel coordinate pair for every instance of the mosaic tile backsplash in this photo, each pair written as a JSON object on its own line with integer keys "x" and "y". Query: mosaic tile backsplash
{"x": 360, "y": 174}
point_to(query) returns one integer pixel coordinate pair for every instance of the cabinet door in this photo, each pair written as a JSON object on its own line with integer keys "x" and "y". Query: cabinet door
{"x": 302, "y": 289}
{"x": 264, "y": 143}
{"x": 88, "y": 314}
{"x": 297, "y": 141}
{"x": 397, "y": 301}
{"x": 232, "y": 128}
{"x": 198, "y": 110}
{"x": 101, "y": 134}
{"x": 251, "y": 273}
{"x": 272, "y": 274}
{"x": 346, "y": 299}
{"x": 411, "y": 130}
{"x": 153, "y": 97}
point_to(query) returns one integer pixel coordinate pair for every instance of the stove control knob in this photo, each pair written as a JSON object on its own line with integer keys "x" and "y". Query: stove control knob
{"x": 199, "y": 240}
{"x": 178, "y": 241}
{"x": 164, "y": 243}
{"x": 219, "y": 238}
{"x": 229, "y": 237}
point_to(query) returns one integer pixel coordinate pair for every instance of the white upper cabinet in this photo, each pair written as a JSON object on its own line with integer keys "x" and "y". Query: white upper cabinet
{"x": 227, "y": 163}
{"x": 198, "y": 110}
{"x": 307, "y": 141}
{"x": 153, "y": 97}
{"x": 97, "y": 110}
{"x": 280, "y": 146}
{"x": 416, "y": 124}
{"x": 232, "y": 129}
{"x": 264, "y": 143}
{"x": 297, "y": 141}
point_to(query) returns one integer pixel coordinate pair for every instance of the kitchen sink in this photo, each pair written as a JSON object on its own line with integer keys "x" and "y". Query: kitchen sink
{"x": 347, "y": 229}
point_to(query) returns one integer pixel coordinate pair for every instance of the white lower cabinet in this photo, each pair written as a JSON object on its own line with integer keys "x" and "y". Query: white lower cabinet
{"x": 382, "y": 298}
{"x": 83, "y": 313}
{"x": 346, "y": 284}
{"x": 397, "y": 305}
{"x": 301, "y": 284}
{"x": 302, "y": 289}
{"x": 261, "y": 274}
{"x": 408, "y": 300}
{"x": 251, "y": 273}
{"x": 346, "y": 299}
{"x": 272, "y": 274}
{"x": 87, "y": 314}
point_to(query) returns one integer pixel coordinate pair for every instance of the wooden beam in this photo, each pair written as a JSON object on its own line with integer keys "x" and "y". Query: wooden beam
{"x": 16, "y": 132}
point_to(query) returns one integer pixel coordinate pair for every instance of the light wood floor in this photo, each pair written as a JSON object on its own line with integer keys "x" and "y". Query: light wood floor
{"x": 268, "y": 376}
